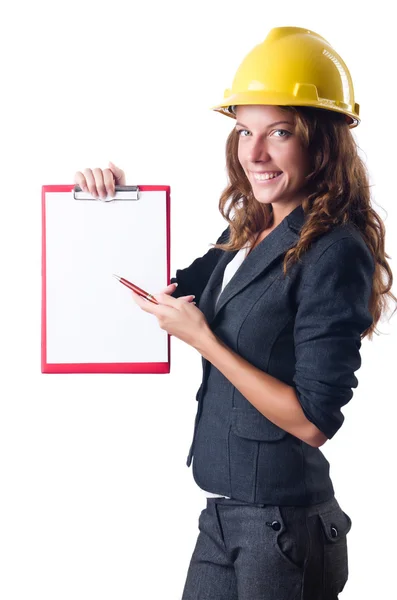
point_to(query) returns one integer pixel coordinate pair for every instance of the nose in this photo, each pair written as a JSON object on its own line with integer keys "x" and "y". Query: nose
{"x": 258, "y": 152}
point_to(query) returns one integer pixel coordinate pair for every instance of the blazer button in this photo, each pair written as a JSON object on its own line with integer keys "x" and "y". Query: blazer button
{"x": 334, "y": 531}
{"x": 274, "y": 525}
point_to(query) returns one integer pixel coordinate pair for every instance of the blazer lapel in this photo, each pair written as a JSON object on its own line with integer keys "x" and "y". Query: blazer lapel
{"x": 264, "y": 254}
{"x": 206, "y": 304}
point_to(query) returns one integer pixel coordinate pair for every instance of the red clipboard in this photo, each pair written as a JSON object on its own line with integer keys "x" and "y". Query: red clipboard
{"x": 90, "y": 323}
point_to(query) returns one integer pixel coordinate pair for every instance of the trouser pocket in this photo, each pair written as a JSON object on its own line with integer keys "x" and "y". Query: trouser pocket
{"x": 335, "y": 526}
{"x": 292, "y": 540}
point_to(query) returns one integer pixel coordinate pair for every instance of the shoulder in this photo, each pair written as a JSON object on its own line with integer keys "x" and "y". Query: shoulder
{"x": 338, "y": 251}
{"x": 343, "y": 236}
{"x": 340, "y": 242}
{"x": 224, "y": 237}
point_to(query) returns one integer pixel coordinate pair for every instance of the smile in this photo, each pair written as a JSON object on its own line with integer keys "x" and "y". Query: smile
{"x": 266, "y": 177}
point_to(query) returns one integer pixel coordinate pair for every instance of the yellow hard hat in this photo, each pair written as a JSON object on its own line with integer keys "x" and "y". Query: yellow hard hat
{"x": 293, "y": 67}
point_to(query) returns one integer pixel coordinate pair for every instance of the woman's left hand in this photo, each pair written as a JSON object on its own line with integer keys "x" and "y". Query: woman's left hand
{"x": 178, "y": 317}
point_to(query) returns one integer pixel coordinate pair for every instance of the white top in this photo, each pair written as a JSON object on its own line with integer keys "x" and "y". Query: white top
{"x": 230, "y": 270}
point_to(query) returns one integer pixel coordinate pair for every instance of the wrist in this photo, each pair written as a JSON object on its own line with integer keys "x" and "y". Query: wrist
{"x": 206, "y": 342}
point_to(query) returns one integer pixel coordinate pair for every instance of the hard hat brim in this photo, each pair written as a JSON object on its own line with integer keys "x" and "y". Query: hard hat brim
{"x": 277, "y": 99}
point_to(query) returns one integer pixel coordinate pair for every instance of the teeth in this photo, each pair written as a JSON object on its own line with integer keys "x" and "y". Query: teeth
{"x": 266, "y": 176}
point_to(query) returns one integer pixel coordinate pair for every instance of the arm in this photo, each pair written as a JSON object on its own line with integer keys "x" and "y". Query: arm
{"x": 276, "y": 400}
{"x": 332, "y": 314}
{"x": 194, "y": 278}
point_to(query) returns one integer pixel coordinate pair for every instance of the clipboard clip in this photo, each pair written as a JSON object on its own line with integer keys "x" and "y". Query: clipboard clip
{"x": 122, "y": 192}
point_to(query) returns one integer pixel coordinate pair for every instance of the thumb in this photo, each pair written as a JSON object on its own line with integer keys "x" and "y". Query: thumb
{"x": 119, "y": 175}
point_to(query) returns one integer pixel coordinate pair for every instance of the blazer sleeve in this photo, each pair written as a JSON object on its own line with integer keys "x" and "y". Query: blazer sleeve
{"x": 332, "y": 314}
{"x": 194, "y": 278}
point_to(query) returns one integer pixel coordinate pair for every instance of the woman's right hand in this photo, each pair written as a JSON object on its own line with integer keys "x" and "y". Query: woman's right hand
{"x": 100, "y": 183}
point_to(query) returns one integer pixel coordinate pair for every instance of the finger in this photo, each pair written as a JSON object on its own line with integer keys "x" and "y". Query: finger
{"x": 148, "y": 306}
{"x": 165, "y": 299}
{"x": 119, "y": 175}
{"x": 142, "y": 303}
{"x": 188, "y": 298}
{"x": 108, "y": 179}
{"x": 168, "y": 300}
{"x": 79, "y": 180}
{"x": 89, "y": 177}
{"x": 170, "y": 289}
{"x": 99, "y": 182}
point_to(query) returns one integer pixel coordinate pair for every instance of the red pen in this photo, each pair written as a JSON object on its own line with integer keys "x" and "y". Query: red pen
{"x": 136, "y": 289}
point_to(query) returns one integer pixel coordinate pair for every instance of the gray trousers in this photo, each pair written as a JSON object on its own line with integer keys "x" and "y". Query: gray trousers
{"x": 261, "y": 552}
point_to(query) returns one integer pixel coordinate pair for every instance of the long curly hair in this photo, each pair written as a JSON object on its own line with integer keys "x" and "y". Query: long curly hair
{"x": 338, "y": 192}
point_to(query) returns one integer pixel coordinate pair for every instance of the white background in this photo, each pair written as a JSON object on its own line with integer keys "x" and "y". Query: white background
{"x": 96, "y": 501}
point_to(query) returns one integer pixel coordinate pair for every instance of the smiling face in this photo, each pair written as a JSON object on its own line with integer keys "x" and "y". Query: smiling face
{"x": 272, "y": 156}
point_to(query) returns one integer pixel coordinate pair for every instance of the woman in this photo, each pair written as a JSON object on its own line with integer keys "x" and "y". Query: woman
{"x": 282, "y": 302}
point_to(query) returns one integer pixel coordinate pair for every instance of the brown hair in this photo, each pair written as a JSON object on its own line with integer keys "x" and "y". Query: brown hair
{"x": 338, "y": 192}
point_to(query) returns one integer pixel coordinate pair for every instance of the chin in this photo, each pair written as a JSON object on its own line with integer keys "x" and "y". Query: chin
{"x": 266, "y": 200}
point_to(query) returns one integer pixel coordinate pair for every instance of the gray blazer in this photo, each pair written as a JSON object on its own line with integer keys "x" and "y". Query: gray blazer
{"x": 303, "y": 329}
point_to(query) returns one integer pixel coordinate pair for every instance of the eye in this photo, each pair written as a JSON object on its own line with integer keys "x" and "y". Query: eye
{"x": 287, "y": 133}
{"x": 284, "y": 133}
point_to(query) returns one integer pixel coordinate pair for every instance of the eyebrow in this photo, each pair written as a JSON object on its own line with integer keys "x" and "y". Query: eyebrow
{"x": 271, "y": 124}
